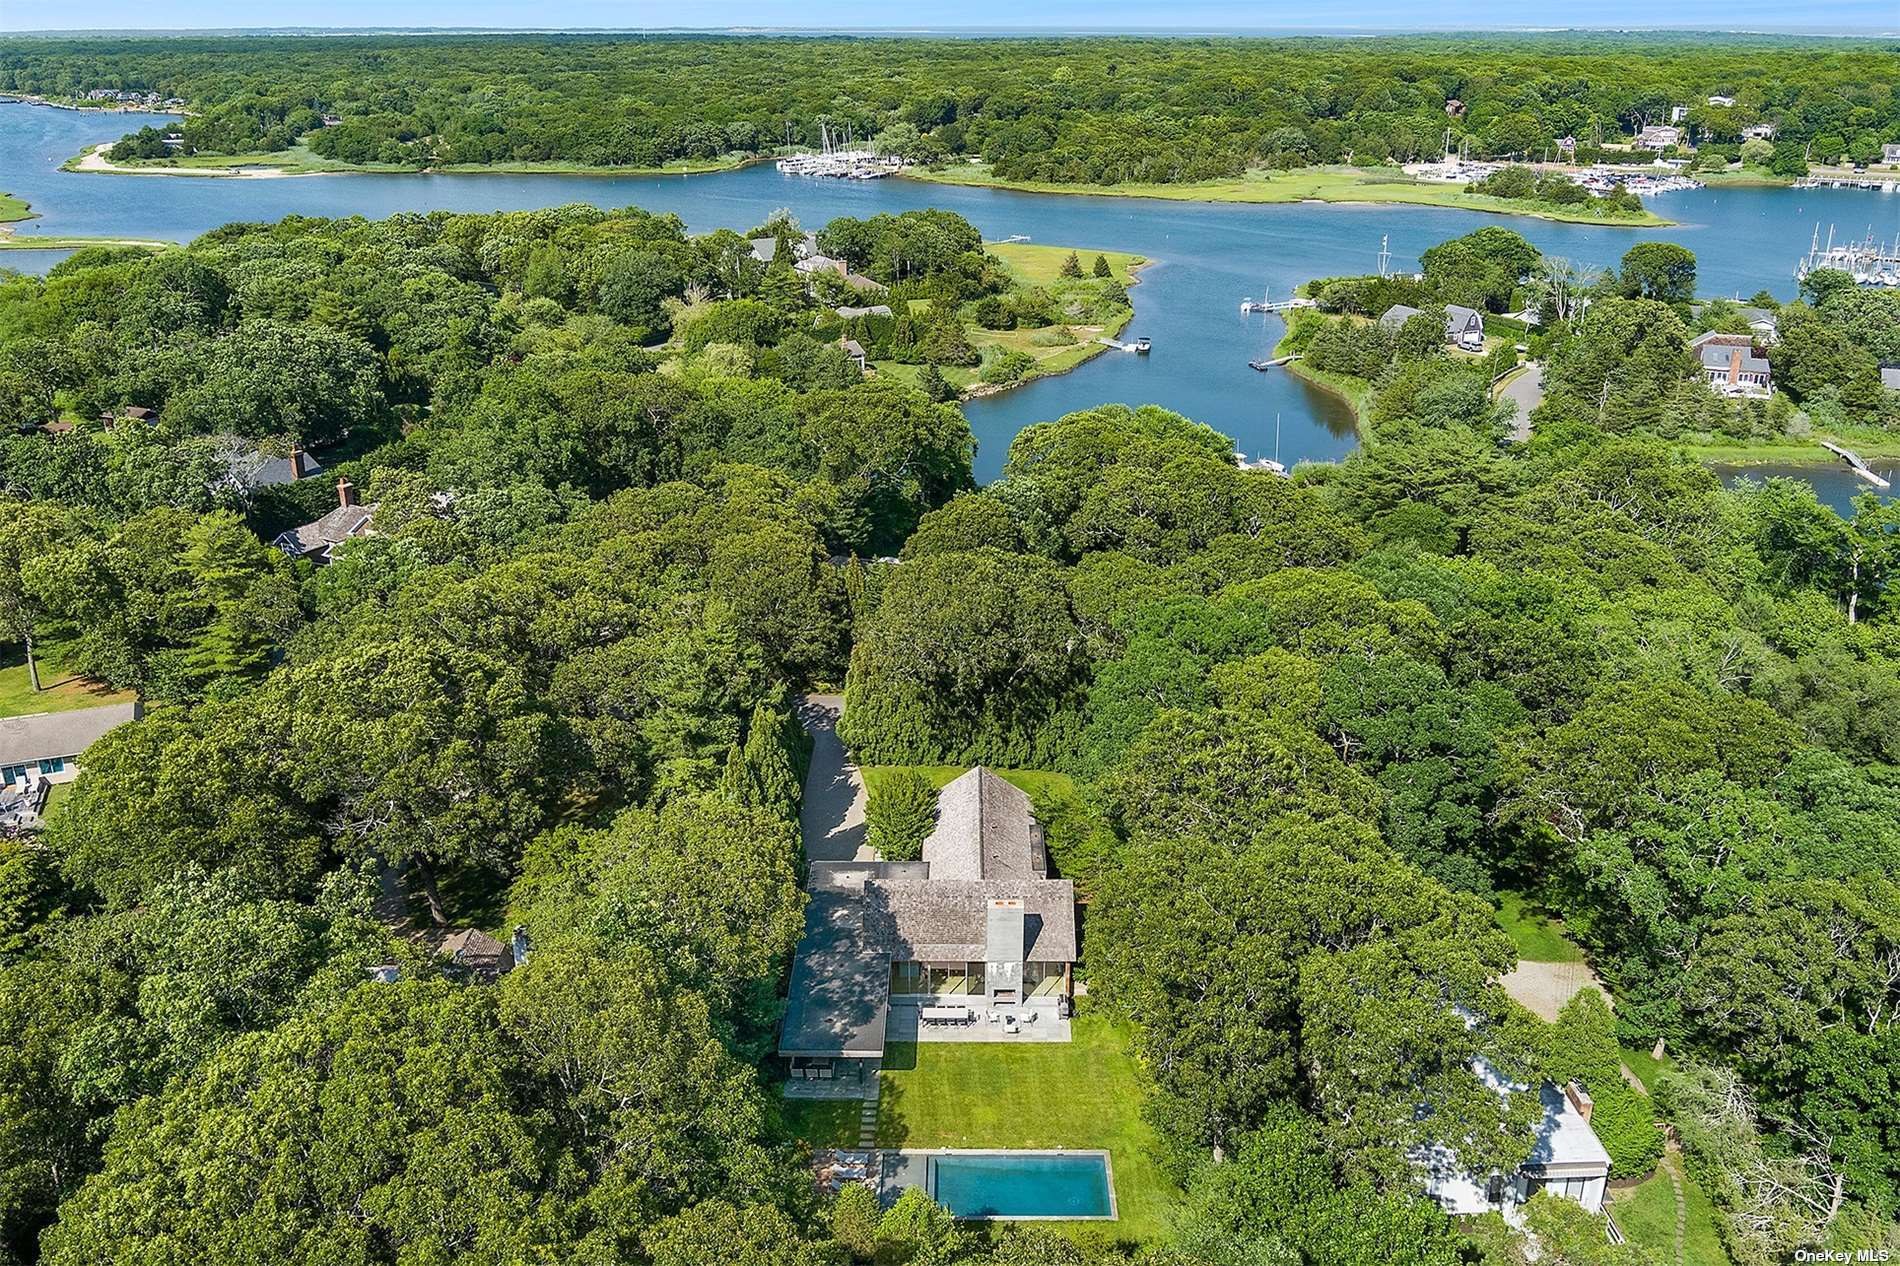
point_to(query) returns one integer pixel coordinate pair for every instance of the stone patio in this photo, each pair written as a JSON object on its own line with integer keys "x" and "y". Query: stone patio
{"x": 904, "y": 1026}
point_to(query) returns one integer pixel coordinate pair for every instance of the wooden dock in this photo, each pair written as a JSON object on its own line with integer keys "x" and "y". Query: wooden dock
{"x": 1284, "y": 305}
{"x": 1137, "y": 345}
{"x": 1853, "y": 459}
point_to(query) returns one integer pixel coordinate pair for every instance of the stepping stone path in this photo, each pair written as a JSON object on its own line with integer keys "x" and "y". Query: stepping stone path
{"x": 867, "y": 1118}
{"x": 1682, "y": 1206}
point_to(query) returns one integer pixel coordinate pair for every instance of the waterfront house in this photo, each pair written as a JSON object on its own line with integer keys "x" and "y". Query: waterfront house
{"x": 1658, "y": 137}
{"x": 45, "y": 747}
{"x": 1464, "y": 327}
{"x": 1724, "y": 102}
{"x": 1759, "y": 132}
{"x": 1731, "y": 365}
{"x": 1890, "y": 154}
{"x": 1566, "y": 1159}
{"x": 976, "y": 927}
{"x": 318, "y": 540}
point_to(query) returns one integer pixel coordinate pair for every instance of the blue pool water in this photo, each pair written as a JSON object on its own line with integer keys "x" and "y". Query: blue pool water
{"x": 1024, "y": 1185}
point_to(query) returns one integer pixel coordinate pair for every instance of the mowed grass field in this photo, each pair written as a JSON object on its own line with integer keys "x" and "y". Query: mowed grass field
{"x": 1034, "y": 264}
{"x": 1081, "y": 1094}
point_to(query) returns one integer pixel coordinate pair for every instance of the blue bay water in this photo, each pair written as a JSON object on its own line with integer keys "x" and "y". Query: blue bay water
{"x": 1207, "y": 256}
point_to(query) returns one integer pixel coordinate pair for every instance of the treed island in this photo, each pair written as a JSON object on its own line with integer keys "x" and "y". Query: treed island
{"x": 524, "y": 741}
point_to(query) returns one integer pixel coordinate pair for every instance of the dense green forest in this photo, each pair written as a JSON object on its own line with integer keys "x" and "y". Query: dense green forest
{"x": 1316, "y": 726}
{"x": 1063, "y": 110}
{"x": 1614, "y": 343}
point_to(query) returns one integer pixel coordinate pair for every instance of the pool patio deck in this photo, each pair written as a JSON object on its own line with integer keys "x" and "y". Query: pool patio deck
{"x": 905, "y": 1025}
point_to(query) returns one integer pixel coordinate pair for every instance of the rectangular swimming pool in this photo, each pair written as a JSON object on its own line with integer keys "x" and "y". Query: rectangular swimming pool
{"x": 1023, "y": 1184}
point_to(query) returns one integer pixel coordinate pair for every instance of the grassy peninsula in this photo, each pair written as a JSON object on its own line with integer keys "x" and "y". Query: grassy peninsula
{"x": 1311, "y": 184}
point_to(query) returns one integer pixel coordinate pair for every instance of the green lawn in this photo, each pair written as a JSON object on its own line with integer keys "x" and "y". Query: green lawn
{"x": 823, "y": 1122}
{"x": 1037, "y": 782}
{"x": 1035, "y": 265}
{"x": 12, "y": 208}
{"x": 62, "y": 691}
{"x": 1647, "y": 1215}
{"x": 1646, "y": 1067}
{"x": 1082, "y": 1094}
{"x": 1539, "y": 938}
{"x": 1321, "y": 184}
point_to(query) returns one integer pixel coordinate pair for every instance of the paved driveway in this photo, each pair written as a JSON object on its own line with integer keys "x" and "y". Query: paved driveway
{"x": 1527, "y": 391}
{"x": 832, "y": 821}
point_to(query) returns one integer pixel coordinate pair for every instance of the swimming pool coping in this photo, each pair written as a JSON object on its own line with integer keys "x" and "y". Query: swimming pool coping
{"x": 930, "y": 1156}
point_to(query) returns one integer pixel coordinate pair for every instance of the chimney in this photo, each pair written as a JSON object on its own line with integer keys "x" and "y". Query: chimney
{"x": 1579, "y": 1099}
{"x": 296, "y": 460}
{"x": 345, "y": 493}
{"x": 1735, "y": 365}
{"x": 520, "y": 944}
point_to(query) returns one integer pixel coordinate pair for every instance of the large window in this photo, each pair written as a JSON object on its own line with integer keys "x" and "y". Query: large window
{"x": 1042, "y": 980}
{"x": 937, "y": 979}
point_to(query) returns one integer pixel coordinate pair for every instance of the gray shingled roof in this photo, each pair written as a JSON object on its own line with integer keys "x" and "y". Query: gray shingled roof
{"x": 261, "y": 470}
{"x": 1396, "y": 315}
{"x": 1717, "y": 351}
{"x": 947, "y": 920}
{"x": 985, "y": 830}
{"x": 331, "y": 530}
{"x": 67, "y": 734}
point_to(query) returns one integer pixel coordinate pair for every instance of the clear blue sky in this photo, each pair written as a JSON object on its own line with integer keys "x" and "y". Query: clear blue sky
{"x": 1815, "y": 15}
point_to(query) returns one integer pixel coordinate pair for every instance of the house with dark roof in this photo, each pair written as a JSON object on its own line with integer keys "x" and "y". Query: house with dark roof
{"x": 1732, "y": 366}
{"x": 1464, "y": 327}
{"x": 46, "y": 746}
{"x": 318, "y": 540}
{"x": 249, "y": 470}
{"x": 974, "y": 934}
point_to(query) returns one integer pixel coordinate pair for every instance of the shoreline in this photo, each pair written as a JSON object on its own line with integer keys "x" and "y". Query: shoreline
{"x": 1088, "y": 351}
{"x": 1322, "y": 185}
{"x": 93, "y": 161}
{"x": 1356, "y": 397}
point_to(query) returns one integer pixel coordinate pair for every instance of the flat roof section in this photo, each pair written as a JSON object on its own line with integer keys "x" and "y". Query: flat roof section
{"x": 840, "y": 995}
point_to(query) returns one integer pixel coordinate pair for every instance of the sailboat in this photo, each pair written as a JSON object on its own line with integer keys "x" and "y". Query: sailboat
{"x": 1271, "y": 465}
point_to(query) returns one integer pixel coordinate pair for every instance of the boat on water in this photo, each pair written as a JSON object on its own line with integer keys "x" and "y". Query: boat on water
{"x": 1266, "y": 464}
{"x": 1141, "y": 346}
{"x": 1262, "y": 365}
